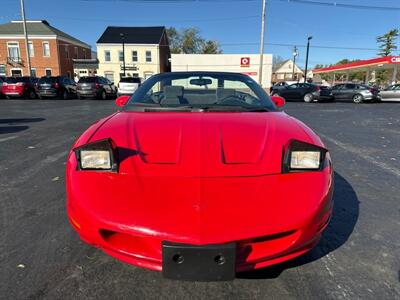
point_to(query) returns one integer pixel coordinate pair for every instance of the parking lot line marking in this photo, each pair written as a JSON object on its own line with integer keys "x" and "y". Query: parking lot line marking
{"x": 367, "y": 157}
{"x": 8, "y": 138}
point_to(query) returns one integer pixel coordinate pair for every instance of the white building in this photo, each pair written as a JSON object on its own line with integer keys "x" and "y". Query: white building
{"x": 146, "y": 52}
{"x": 240, "y": 63}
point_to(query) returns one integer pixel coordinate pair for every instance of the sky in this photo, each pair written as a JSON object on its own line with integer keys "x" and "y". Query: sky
{"x": 236, "y": 24}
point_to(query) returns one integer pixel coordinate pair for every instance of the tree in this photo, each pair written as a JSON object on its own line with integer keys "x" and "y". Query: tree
{"x": 277, "y": 60}
{"x": 387, "y": 42}
{"x": 174, "y": 40}
{"x": 189, "y": 41}
{"x": 211, "y": 47}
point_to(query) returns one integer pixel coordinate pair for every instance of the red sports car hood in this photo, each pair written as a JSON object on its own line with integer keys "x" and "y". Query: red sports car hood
{"x": 202, "y": 144}
{"x": 198, "y": 177}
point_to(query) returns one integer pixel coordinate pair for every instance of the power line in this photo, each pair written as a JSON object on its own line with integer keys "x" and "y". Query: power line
{"x": 305, "y": 2}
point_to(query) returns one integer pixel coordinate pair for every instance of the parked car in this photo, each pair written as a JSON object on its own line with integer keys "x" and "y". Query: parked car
{"x": 19, "y": 87}
{"x": 391, "y": 93}
{"x": 128, "y": 85}
{"x": 2, "y": 79}
{"x": 357, "y": 93}
{"x": 95, "y": 87}
{"x": 278, "y": 86}
{"x": 163, "y": 184}
{"x": 56, "y": 86}
{"x": 307, "y": 92}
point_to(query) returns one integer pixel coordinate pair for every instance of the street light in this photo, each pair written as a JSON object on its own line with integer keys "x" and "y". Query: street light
{"x": 308, "y": 51}
{"x": 123, "y": 50}
{"x": 295, "y": 53}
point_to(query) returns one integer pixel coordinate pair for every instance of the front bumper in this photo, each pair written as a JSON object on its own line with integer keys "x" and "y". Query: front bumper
{"x": 261, "y": 238}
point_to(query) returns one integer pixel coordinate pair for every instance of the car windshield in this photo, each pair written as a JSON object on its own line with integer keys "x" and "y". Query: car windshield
{"x": 205, "y": 91}
{"x": 16, "y": 79}
{"x": 48, "y": 80}
{"x": 130, "y": 79}
{"x": 87, "y": 80}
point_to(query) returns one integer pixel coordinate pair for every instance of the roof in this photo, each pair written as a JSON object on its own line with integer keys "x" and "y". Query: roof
{"x": 279, "y": 65}
{"x": 41, "y": 27}
{"x": 360, "y": 64}
{"x": 132, "y": 35}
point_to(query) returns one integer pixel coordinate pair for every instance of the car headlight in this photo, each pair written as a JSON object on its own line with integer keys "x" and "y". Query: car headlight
{"x": 99, "y": 155}
{"x": 301, "y": 156}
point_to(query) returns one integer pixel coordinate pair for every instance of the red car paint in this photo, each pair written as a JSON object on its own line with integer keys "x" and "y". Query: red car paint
{"x": 200, "y": 178}
{"x": 19, "y": 87}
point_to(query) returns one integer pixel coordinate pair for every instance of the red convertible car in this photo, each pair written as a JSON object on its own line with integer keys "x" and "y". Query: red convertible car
{"x": 200, "y": 175}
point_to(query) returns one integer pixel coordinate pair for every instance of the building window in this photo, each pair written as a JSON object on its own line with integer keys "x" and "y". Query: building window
{"x": 66, "y": 51}
{"x": 148, "y": 56}
{"x": 48, "y": 72}
{"x": 33, "y": 72}
{"x": 16, "y": 72}
{"x": 75, "y": 52}
{"x": 147, "y": 75}
{"x": 31, "y": 49}
{"x": 84, "y": 53}
{"x": 134, "y": 56}
{"x": 107, "y": 55}
{"x": 109, "y": 76}
{"x": 46, "y": 49}
{"x": 13, "y": 51}
{"x": 120, "y": 56}
{"x": 2, "y": 70}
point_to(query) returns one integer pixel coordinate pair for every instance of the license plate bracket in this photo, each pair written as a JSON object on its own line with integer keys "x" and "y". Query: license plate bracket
{"x": 198, "y": 263}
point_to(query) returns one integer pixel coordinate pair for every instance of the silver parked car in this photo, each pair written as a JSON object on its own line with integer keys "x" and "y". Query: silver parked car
{"x": 128, "y": 85}
{"x": 391, "y": 93}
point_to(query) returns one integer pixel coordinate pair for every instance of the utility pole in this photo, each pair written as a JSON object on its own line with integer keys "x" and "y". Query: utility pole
{"x": 295, "y": 53}
{"x": 308, "y": 51}
{"x": 28, "y": 58}
{"x": 123, "y": 50}
{"x": 262, "y": 42}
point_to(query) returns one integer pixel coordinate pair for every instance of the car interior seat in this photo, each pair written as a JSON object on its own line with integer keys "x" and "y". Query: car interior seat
{"x": 173, "y": 95}
{"x": 222, "y": 93}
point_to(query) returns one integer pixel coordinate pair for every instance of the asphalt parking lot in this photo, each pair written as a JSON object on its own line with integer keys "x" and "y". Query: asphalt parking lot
{"x": 42, "y": 257}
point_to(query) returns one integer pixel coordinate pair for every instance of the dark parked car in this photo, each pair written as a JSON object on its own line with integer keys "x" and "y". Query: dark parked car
{"x": 2, "y": 79}
{"x": 19, "y": 87}
{"x": 355, "y": 92}
{"x": 56, "y": 86}
{"x": 278, "y": 86}
{"x": 307, "y": 92}
{"x": 96, "y": 87}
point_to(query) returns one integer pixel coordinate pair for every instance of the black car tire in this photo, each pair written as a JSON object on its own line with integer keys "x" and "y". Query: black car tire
{"x": 65, "y": 95}
{"x": 8, "y": 97}
{"x": 103, "y": 95}
{"x": 308, "y": 98}
{"x": 32, "y": 94}
{"x": 358, "y": 98}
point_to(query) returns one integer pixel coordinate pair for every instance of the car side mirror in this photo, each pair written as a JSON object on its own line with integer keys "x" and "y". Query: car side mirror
{"x": 278, "y": 100}
{"x": 121, "y": 101}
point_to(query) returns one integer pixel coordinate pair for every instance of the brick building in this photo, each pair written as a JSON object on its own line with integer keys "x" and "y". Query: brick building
{"x": 51, "y": 50}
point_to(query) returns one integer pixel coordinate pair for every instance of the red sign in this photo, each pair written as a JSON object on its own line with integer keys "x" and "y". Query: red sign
{"x": 245, "y": 62}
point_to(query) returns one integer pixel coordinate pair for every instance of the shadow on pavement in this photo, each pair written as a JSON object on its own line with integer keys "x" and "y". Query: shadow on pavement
{"x": 344, "y": 219}
{"x": 12, "y": 121}
{"x": 12, "y": 129}
{"x": 13, "y": 126}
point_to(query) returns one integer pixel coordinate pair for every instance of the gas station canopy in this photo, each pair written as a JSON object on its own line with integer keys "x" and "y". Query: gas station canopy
{"x": 367, "y": 66}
